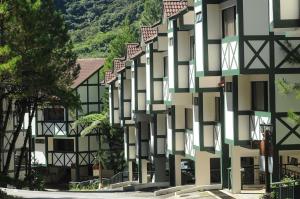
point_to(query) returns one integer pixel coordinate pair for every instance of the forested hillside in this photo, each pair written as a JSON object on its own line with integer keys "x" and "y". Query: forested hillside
{"x": 93, "y": 24}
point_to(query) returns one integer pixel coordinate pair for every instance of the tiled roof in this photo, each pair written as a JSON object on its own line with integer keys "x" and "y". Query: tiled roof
{"x": 109, "y": 76}
{"x": 88, "y": 68}
{"x": 133, "y": 49}
{"x": 119, "y": 64}
{"x": 148, "y": 33}
{"x": 173, "y": 7}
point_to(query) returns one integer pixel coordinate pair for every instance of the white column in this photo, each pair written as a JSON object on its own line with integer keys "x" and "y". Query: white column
{"x": 236, "y": 170}
{"x": 202, "y": 168}
{"x": 177, "y": 170}
{"x": 144, "y": 171}
{"x": 130, "y": 173}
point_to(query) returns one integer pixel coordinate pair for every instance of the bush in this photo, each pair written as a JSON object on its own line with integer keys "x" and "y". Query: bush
{"x": 6, "y": 180}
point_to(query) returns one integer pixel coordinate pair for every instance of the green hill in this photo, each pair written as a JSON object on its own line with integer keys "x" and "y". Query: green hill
{"x": 94, "y": 23}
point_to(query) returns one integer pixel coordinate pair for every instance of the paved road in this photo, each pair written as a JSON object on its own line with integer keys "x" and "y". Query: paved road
{"x": 79, "y": 195}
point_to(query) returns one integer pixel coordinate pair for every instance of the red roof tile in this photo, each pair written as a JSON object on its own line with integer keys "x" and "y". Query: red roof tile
{"x": 149, "y": 33}
{"x": 133, "y": 49}
{"x": 88, "y": 68}
{"x": 173, "y": 7}
{"x": 109, "y": 77}
{"x": 119, "y": 64}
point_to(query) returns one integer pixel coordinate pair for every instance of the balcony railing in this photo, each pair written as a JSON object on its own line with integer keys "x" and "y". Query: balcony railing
{"x": 189, "y": 143}
{"x": 65, "y": 159}
{"x": 230, "y": 56}
{"x": 166, "y": 93}
{"x": 192, "y": 76}
{"x": 60, "y": 129}
{"x": 217, "y": 137}
{"x": 258, "y": 118}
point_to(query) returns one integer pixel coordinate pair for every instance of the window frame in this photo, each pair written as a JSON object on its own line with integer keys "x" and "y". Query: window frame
{"x": 223, "y": 22}
{"x": 47, "y": 118}
{"x": 253, "y": 96}
{"x": 58, "y": 150}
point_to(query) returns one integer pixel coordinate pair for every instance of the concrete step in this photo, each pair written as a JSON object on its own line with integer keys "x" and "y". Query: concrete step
{"x": 122, "y": 184}
{"x": 146, "y": 186}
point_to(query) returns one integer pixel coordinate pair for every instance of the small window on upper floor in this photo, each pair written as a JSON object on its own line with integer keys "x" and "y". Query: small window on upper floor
{"x": 189, "y": 118}
{"x": 259, "y": 96}
{"x": 165, "y": 66}
{"x": 199, "y": 17}
{"x": 171, "y": 41}
{"x": 63, "y": 145}
{"x": 54, "y": 114}
{"x": 192, "y": 48}
{"x": 217, "y": 109}
{"x": 229, "y": 21}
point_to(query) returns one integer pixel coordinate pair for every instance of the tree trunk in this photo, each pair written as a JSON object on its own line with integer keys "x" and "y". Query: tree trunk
{"x": 4, "y": 117}
{"x": 28, "y": 133}
{"x": 14, "y": 140}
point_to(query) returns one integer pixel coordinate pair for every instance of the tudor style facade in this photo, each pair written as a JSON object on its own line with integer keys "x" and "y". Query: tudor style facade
{"x": 8, "y": 138}
{"x": 58, "y": 145}
{"x": 211, "y": 73}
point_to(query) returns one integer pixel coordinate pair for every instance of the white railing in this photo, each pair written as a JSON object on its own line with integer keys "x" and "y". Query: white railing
{"x": 256, "y": 120}
{"x": 230, "y": 55}
{"x": 166, "y": 93}
{"x": 192, "y": 83}
{"x": 217, "y": 137}
{"x": 189, "y": 143}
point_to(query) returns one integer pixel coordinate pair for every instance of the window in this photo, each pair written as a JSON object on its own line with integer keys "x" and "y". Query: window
{"x": 192, "y": 48}
{"x": 228, "y": 87}
{"x": 189, "y": 118}
{"x": 217, "y": 109}
{"x": 259, "y": 96}
{"x": 54, "y": 114}
{"x": 199, "y": 17}
{"x": 165, "y": 66}
{"x": 171, "y": 41}
{"x": 229, "y": 22}
{"x": 63, "y": 145}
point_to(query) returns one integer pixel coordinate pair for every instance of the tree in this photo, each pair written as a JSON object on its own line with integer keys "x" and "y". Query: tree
{"x": 46, "y": 66}
{"x": 287, "y": 88}
{"x": 117, "y": 47}
{"x": 152, "y": 12}
{"x": 113, "y": 156}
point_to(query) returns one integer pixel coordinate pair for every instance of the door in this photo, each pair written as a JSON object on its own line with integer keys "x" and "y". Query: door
{"x": 247, "y": 164}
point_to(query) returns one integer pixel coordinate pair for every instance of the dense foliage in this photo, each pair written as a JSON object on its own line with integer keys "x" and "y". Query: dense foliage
{"x": 93, "y": 24}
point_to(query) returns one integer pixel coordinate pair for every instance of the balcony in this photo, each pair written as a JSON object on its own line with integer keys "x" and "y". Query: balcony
{"x": 65, "y": 159}
{"x": 230, "y": 56}
{"x": 189, "y": 144}
{"x": 54, "y": 129}
{"x": 256, "y": 119}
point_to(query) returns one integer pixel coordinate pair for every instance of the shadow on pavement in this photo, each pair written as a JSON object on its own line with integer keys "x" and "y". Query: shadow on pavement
{"x": 221, "y": 194}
